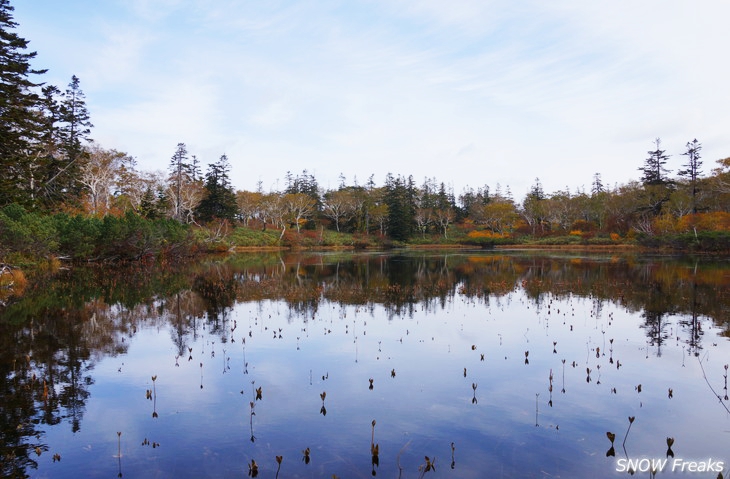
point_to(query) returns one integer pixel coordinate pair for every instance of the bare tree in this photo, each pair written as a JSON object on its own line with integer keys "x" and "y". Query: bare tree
{"x": 99, "y": 174}
{"x": 299, "y": 207}
{"x": 250, "y": 205}
{"x": 339, "y": 205}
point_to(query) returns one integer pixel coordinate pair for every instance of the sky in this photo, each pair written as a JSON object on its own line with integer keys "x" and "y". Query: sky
{"x": 469, "y": 92}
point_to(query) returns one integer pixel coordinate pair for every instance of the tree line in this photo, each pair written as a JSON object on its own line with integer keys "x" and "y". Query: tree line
{"x": 49, "y": 165}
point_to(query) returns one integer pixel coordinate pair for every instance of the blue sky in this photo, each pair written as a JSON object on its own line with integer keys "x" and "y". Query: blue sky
{"x": 469, "y": 92}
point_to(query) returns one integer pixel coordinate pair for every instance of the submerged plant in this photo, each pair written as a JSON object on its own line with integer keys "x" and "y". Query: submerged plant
{"x": 154, "y": 397}
{"x": 253, "y": 469}
{"x": 278, "y": 464}
{"x": 670, "y": 442}
{"x": 252, "y": 405}
{"x": 631, "y": 421}
{"x": 429, "y": 466}
{"x": 611, "y": 437}
{"x": 374, "y": 449}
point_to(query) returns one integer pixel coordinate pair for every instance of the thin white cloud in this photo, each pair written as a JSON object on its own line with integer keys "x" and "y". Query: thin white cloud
{"x": 471, "y": 92}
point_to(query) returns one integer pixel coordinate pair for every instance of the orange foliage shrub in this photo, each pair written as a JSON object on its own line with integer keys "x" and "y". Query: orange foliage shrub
{"x": 715, "y": 221}
{"x": 664, "y": 224}
{"x": 485, "y": 234}
{"x": 12, "y": 283}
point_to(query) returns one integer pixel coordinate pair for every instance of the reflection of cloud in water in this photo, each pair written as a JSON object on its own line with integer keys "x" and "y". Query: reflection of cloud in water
{"x": 566, "y": 306}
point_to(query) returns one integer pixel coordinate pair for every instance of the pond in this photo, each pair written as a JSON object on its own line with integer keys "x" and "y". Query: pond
{"x": 420, "y": 364}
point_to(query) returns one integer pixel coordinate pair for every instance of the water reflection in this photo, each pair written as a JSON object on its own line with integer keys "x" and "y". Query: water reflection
{"x": 55, "y": 336}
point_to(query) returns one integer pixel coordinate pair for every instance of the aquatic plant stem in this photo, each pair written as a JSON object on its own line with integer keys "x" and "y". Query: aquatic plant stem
{"x": 710, "y": 386}
{"x": 631, "y": 421}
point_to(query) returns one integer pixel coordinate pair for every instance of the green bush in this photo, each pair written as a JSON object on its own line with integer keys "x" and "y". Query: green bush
{"x": 247, "y": 237}
{"x": 700, "y": 242}
{"x": 78, "y": 236}
{"x": 26, "y": 233}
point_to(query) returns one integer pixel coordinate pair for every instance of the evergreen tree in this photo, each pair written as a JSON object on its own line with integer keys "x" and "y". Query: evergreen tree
{"x": 305, "y": 183}
{"x": 67, "y": 129}
{"x": 148, "y": 205}
{"x": 534, "y": 207}
{"x": 597, "y": 186}
{"x": 20, "y": 119}
{"x": 692, "y": 168}
{"x": 219, "y": 200}
{"x": 653, "y": 171}
{"x": 180, "y": 173}
{"x": 399, "y": 198}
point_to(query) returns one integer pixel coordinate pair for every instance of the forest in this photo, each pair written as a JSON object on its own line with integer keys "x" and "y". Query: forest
{"x": 62, "y": 195}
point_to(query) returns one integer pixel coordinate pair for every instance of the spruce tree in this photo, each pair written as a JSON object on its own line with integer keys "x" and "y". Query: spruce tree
{"x": 220, "y": 199}
{"x": 653, "y": 171}
{"x": 181, "y": 173}
{"x": 399, "y": 197}
{"x": 74, "y": 118}
{"x": 692, "y": 169}
{"x": 20, "y": 119}
{"x": 67, "y": 123}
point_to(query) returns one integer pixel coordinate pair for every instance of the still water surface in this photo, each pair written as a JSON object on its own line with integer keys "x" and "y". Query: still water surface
{"x": 489, "y": 365}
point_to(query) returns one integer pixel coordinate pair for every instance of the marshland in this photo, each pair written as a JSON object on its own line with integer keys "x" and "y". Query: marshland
{"x": 402, "y": 364}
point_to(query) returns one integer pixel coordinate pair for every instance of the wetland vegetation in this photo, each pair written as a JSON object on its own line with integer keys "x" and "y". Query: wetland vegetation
{"x": 402, "y": 364}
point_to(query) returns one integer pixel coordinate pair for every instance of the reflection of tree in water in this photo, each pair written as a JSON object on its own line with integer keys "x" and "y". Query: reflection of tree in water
{"x": 655, "y": 311}
{"x": 692, "y": 323}
{"x": 49, "y": 343}
{"x": 182, "y": 310}
{"x": 55, "y": 334}
{"x": 656, "y": 329}
{"x": 47, "y": 381}
{"x": 217, "y": 288}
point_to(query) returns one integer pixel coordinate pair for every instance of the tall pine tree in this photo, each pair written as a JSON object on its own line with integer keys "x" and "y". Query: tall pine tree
{"x": 20, "y": 120}
{"x": 180, "y": 175}
{"x": 219, "y": 200}
{"x": 68, "y": 126}
{"x": 653, "y": 171}
{"x": 400, "y": 199}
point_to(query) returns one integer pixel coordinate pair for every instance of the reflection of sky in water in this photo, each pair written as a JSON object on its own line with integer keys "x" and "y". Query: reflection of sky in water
{"x": 419, "y": 412}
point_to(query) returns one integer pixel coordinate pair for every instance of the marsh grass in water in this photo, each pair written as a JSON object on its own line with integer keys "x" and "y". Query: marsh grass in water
{"x": 435, "y": 319}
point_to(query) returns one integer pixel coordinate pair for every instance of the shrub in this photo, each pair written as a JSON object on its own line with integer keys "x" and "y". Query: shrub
{"x": 26, "y": 233}
{"x": 78, "y": 236}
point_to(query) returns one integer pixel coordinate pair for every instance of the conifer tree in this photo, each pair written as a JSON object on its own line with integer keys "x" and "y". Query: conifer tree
{"x": 219, "y": 200}
{"x": 20, "y": 120}
{"x": 68, "y": 123}
{"x": 692, "y": 169}
{"x": 653, "y": 171}
{"x": 180, "y": 174}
